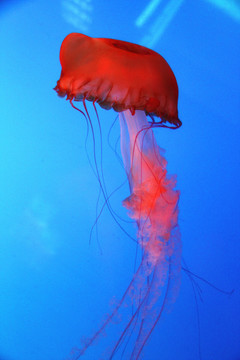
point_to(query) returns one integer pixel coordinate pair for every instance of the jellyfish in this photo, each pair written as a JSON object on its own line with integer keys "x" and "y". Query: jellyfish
{"x": 138, "y": 84}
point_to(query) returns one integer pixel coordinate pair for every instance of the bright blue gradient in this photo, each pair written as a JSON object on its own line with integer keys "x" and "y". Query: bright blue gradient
{"x": 55, "y": 287}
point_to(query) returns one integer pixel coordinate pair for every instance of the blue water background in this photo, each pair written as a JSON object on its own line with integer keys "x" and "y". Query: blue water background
{"x": 56, "y": 285}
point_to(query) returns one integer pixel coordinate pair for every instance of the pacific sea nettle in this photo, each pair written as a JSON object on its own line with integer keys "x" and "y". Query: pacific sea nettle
{"x": 139, "y": 84}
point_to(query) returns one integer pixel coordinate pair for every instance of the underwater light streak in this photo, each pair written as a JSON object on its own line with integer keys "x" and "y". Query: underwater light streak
{"x": 230, "y": 7}
{"x": 78, "y": 13}
{"x": 167, "y": 13}
{"x": 161, "y": 23}
{"x": 147, "y": 12}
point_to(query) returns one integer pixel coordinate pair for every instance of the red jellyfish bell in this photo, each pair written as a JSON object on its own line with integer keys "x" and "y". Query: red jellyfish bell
{"x": 136, "y": 82}
{"x": 119, "y": 75}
